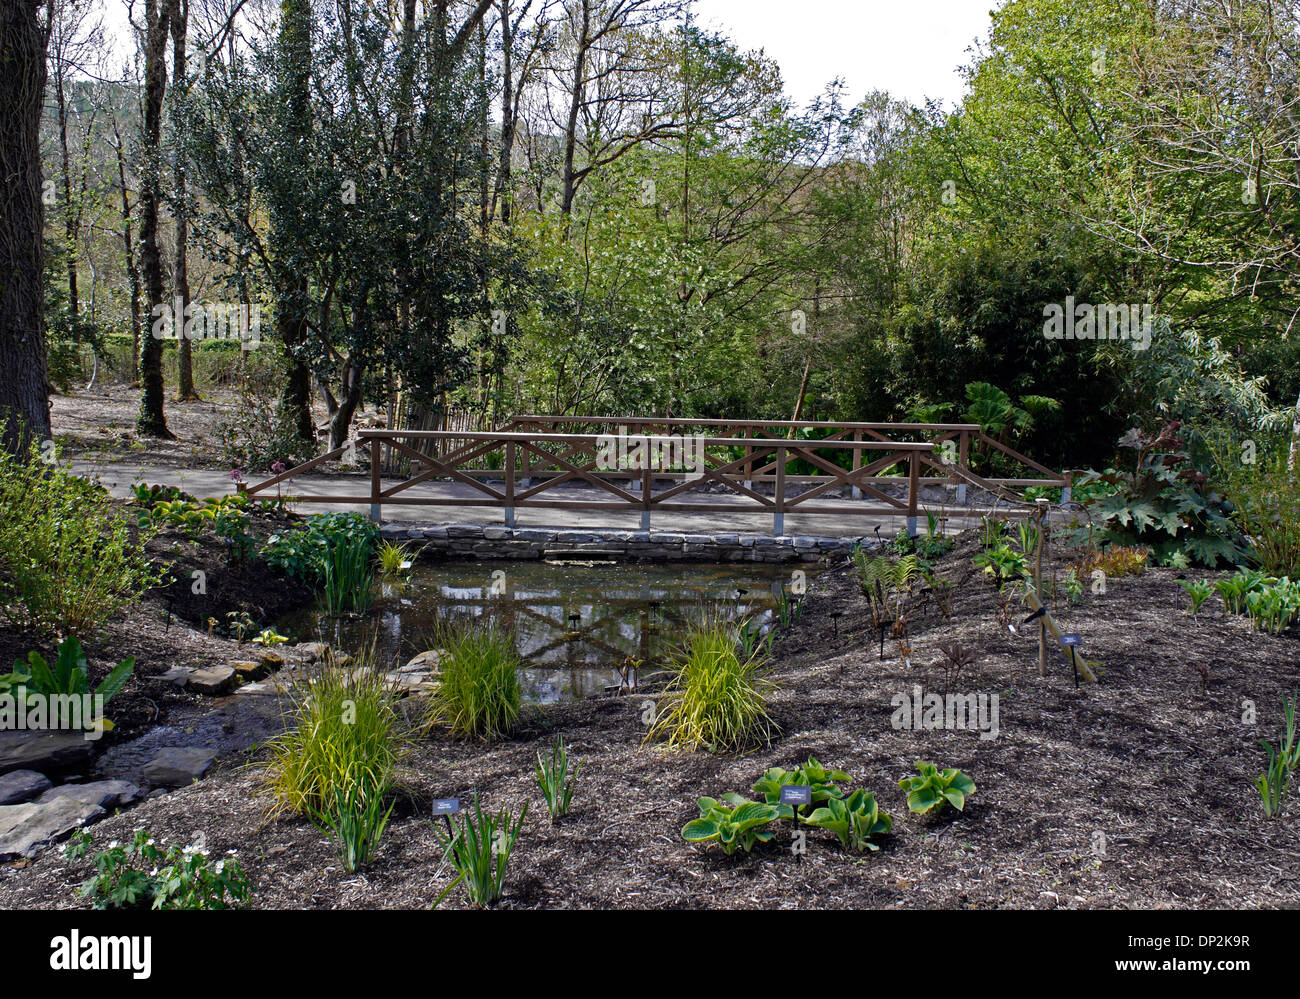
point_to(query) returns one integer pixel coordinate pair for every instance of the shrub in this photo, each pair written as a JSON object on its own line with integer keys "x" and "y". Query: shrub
{"x": 554, "y": 779}
{"x": 480, "y": 852}
{"x": 478, "y": 690}
{"x": 332, "y": 552}
{"x": 73, "y": 561}
{"x": 1264, "y": 501}
{"x": 1116, "y": 561}
{"x": 717, "y": 695}
{"x": 344, "y": 743}
{"x": 934, "y": 789}
{"x": 177, "y": 878}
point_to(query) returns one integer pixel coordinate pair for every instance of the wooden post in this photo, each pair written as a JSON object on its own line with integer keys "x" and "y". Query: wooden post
{"x": 778, "y": 517}
{"x": 857, "y": 462}
{"x": 913, "y": 490}
{"x": 374, "y": 479}
{"x": 963, "y": 463}
{"x": 1040, "y": 520}
{"x": 749, "y": 458}
{"x": 510, "y": 484}
{"x": 647, "y": 484}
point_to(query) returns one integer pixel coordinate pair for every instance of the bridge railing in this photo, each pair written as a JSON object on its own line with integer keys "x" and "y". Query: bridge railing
{"x": 655, "y": 468}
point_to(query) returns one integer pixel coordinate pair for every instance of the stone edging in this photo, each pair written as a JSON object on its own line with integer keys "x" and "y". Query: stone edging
{"x": 495, "y": 542}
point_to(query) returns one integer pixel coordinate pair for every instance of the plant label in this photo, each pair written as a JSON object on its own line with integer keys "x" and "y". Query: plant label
{"x": 796, "y": 795}
{"x": 1072, "y": 641}
{"x": 446, "y": 806}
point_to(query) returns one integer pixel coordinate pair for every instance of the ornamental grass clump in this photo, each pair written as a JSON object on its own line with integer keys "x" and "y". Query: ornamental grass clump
{"x": 478, "y": 692}
{"x": 343, "y": 744}
{"x": 717, "y": 696}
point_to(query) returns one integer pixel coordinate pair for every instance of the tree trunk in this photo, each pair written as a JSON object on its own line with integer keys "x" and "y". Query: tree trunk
{"x": 291, "y": 304}
{"x": 69, "y": 212}
{"x": 575, "y": 106}
{"x": 24, "y": 384}
{"x": 132, "y": 271}
{"x": 151, "y": 421}
{"x": 180, "y": 275}
{"x": 502, "y": 194}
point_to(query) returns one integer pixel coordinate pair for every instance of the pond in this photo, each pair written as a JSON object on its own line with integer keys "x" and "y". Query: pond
{"x": 574, "y": 623}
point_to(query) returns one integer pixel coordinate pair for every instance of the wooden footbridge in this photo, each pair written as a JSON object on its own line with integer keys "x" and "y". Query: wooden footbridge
{"x": 690, "y": 466}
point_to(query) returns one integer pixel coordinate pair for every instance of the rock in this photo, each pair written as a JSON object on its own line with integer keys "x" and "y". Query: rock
{"x": 22, "y": 785}
{"x": 211, "y": 680}
{"x": 25, "y": 829}
{"x": 107, "y": 794}
{"x": 177, "y": 766}
{"x": 270, "y": 659}
{"x": 311, "y": 651}
{"x": 179, "y": 675}
{"x": 46, "y": 751}
{"x": 249, "y": 670}
{"x": 425, "y": 662}
{"x": 340, "y": 660}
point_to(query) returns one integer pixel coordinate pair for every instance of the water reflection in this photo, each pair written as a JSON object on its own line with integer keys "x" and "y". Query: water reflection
{"x": 574, "y": 624}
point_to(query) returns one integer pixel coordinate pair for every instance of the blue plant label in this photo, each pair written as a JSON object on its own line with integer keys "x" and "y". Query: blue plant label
{"x": 796, "y": 794}
{"x": 446, "y": 806}
{"x": 1073, "y": 641}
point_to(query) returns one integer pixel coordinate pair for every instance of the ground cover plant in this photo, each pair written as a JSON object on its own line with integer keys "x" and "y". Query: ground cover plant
{"x": 478, "y": 694}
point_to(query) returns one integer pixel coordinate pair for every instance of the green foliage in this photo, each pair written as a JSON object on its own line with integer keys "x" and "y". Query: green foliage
{"x": 392, "y": 557}
{"x": 480, "y": 850}
{"x": 555, "y": 780}
{"x": 68, "y": 677}
{"x": 1264, "y": 503}
{"x": 1283, "y": 761}
{"x": 344, "y": 743}
{"x": 141, "y": 874}
{"x": 356, "y": 821}
{"x": 1164, "y": 503}
{"x": 73, "y": 561}
{"x": 1270, "y": 602}
{"x": 331, "y": 551}
{"x": 811, "y": 774}
{"x": 717, "y": 696}
{"x": 225, "y": 516}
{"x": 854, "y": 819}
{"x": 738, "y": 825}
{"x": 934, "y": 789}
{"x": 1197, "y": 593}
{"x": 1003, "y": 563}
{"x": 478, "y": 690}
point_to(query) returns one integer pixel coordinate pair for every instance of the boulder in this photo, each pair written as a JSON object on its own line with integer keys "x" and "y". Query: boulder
{"x": 177, "y": 766}
{"x": 45, "y": 751}
{"x": 249, "y": 670}
{"x": 22, "y": 785}
{"x": 107, "y": 794}
{"x": 25, "y": 829}
{"x": 425, "y": 662}
{"x": 311, "y": 651}
{"x": 211, "y": 680}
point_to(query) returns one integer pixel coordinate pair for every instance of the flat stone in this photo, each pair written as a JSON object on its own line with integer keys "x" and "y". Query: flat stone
{"x": 22, "y": 785}
{"x": 177, "y": 766}
{"x": 425, "y": 662}
{"x": 246, "y": 669}
{"x": 44, "y": 751}
{"x": 25, "y": 829}
{"x": 211, "y": 680}
{"x": 311, "y": 651}
{"x": 179, "y": 675}
{"x": 270, "y": 659}
{"x": 107, "y": 794}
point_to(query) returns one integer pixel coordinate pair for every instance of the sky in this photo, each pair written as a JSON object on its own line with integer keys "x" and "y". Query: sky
{"x": 911, "y": 48}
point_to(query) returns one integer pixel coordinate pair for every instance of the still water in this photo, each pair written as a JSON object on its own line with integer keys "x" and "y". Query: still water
{"x": 574, "y": 623}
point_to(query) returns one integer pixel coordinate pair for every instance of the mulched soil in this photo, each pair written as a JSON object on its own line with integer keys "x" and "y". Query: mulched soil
{"x": 1147, "y": 759}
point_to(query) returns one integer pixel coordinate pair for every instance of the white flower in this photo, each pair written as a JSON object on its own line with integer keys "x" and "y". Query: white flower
{"x": 114, "y": 845}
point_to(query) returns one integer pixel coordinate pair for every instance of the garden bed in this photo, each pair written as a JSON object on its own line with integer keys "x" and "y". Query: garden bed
{"x": 1135, "y": 792}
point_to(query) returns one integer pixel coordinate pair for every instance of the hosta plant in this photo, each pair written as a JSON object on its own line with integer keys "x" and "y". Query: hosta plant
{"x": 812, "y": 774}
{"x": 854, "y": 819}
{"x": 1197, "y": 593}
{"x": 936, "y": 788}
{"x": 737, "y": 824}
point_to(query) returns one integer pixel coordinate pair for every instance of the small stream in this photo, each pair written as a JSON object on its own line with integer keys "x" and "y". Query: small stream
{"x": 574, "y": 623}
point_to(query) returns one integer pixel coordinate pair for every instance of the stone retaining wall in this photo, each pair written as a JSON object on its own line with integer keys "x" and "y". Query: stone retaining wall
{"x": 461, "y": 541}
